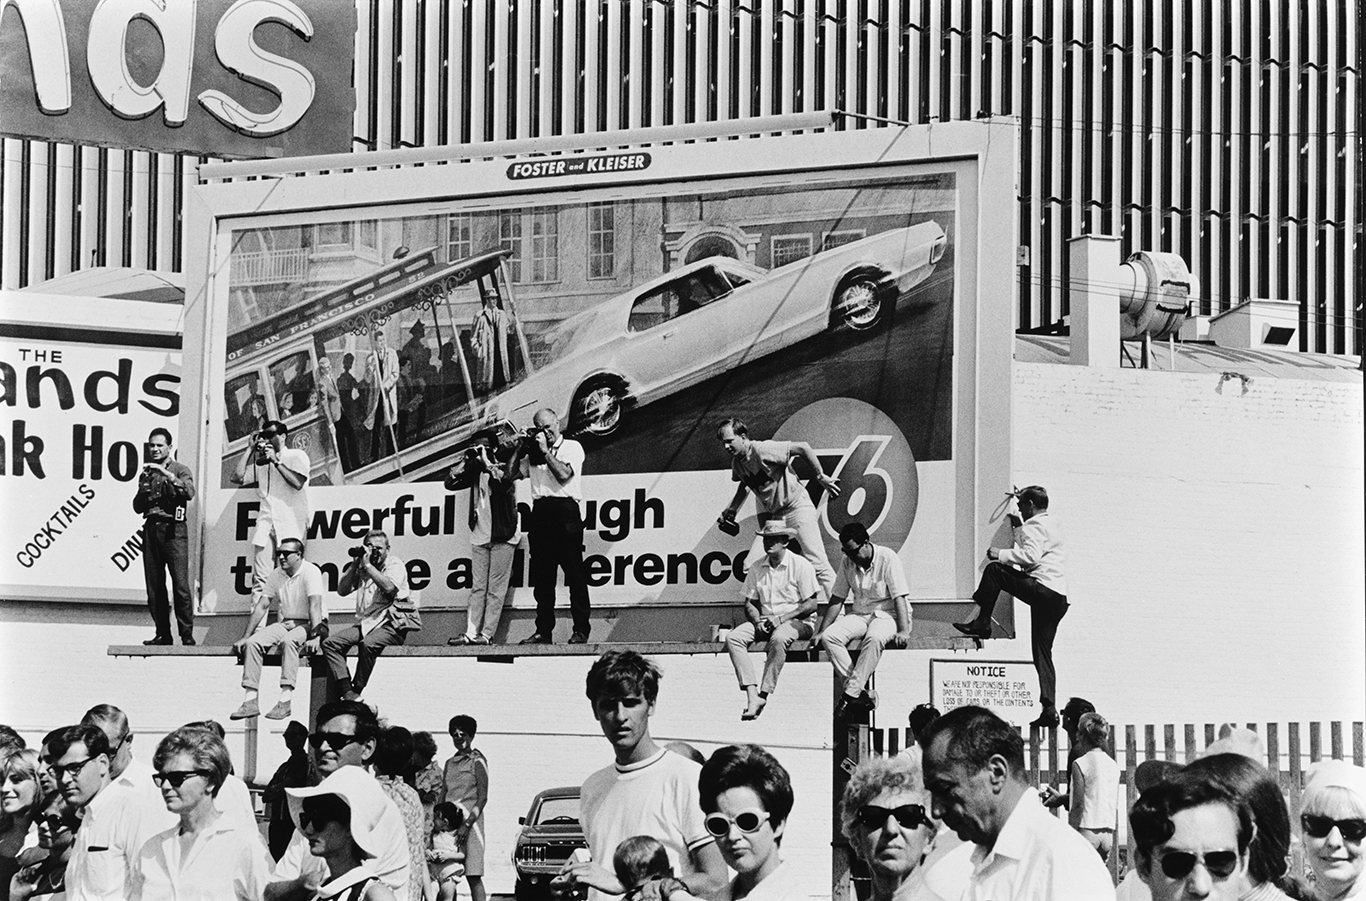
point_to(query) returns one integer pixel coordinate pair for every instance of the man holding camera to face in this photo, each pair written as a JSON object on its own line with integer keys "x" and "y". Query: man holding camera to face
{"x": 165, "y": 489}
{"x": 484, "y": 470}
{"x": 383, "y": 615}
{"x": 280, "y": 476}
{"x": 554, "y": 464}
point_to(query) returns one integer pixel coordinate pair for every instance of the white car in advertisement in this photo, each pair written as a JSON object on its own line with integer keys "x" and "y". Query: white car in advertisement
{"x": 711, "y": 315}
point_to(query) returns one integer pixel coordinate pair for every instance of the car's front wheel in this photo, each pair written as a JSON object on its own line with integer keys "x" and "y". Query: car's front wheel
{"x": 860, "y": 302}
{"x": 597, "y": 408}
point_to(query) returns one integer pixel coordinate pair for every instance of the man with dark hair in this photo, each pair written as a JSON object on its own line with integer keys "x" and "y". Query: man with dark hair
{"x": 648, "y": 790}
{"x": 872, "y": 578}
{"x": 280, "y": 476}
{"x": 975, "y": 771}
{"x": 1192, "y": 837}
{"x": 494, "y": 535}
{"x": 1072, "y": 712}
{"x": 293, "y": 773}
{"x": 126, "y": 772}
{"x": 296, "y": 586}
{"x": 10, "y": 740}
{"x": 346, "y": 736}
{"x": 466, "y": 778}
{"x": 165, "y": 489}
{"x": 554, "y": 466}
{"x": 384, "y": 617}
{"x": 918, "y": 721}
{"x": 766, "y": 469}
{"x": 115, "y": 822}
{"x": 780, "y": 596}
{"x": 1031, "y": 570}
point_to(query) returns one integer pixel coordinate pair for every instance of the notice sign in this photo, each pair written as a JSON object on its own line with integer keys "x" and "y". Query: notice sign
{"x": 1008, "y": 688}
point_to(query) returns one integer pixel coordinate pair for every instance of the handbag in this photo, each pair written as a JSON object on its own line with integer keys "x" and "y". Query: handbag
{"x": 405, "y": 615}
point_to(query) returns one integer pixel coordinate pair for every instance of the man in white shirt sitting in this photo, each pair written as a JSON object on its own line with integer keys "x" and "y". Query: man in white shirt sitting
{"x": 975, "y": 772}
{"x": 379, "y": 579}
{"x": 780, "y": 597}
{"x": 1031, "y": 570}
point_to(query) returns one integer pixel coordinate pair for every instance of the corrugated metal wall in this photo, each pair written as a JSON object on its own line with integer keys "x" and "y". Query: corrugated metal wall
{"x": 1225, "y": 131}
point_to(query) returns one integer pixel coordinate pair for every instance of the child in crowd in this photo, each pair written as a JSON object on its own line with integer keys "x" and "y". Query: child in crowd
{"x": 639, "y": 860}
{"x": 444, "y": 858}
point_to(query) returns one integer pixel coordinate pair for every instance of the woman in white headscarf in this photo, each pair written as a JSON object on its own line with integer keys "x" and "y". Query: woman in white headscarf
{"x": 1333, "y": 822}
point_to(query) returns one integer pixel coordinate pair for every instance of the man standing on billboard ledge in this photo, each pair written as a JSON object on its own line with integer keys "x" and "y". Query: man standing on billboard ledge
{"x": 1031, "y": 570}
{"x": 165, "y": 489}
{"x": 280, "y": 476}
{"x": 554, "y": 464}
{"x": 765, "y": 467}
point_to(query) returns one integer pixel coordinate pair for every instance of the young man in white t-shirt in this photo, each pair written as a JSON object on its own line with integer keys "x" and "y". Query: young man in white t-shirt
{"x": 280, "y": 476}
{"x": 648, "y": 790}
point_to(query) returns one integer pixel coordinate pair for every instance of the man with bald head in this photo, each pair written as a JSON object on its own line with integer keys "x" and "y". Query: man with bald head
{"x": 554, "y": 464}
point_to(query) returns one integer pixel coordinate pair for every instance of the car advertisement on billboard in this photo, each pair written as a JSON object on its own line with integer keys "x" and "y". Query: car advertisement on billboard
{"x": 826, "y": 310}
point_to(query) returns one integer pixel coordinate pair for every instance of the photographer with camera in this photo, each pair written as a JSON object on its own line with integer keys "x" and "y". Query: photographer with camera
{"x": 165, "y": 489}
{"x": 781, "y": 595}
{"x": 554, "y": 464}
{"x": 494, "y": 535}
{"x": 384, "y": 615}
{"x": 280, "y": 476}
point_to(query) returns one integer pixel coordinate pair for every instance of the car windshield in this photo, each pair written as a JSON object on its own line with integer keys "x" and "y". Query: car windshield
{"x": 558, "y": 810}
{"x": 680, "y": 297}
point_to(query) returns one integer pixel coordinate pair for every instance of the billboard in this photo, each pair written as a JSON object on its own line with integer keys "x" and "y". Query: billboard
{"x": 76, "y": 405}
{"x": 643, "y": 297}
{"x": 251, "y": 78}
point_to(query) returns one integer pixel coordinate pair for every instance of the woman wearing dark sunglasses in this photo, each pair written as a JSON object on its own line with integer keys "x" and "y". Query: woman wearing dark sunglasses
{"x": 1333, "y": 820}
{"x": 339, "y": 817}
{"x": 1192, "y": 836}
{"x": 207, "y": 854}
{"x": 886, "y": 815}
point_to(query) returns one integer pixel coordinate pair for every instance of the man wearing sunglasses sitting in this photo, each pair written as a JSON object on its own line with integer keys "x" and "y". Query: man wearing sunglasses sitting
{"x": 1192, "y": 836}
{"x": 975, "y": 772}
{"x": 347, "y": 735}
{"x": 296, "y": 586}
{"x": 872, "y": 578}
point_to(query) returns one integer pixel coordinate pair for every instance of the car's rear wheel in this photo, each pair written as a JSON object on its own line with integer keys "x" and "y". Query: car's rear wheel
{"x": 598, "y": 407}
{"x": 860, "y": 302}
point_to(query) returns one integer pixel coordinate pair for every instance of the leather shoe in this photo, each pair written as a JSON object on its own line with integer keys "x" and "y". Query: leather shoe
{"x": 536, "y": 638}
{"x": 188, "y": 641}
{"x": 579, "y": 638}
{"x": 1046, "y": 720}
{"x": 158, "y": 641}
{"x": 976, "y": 630}
{"x": 459, "y": 641}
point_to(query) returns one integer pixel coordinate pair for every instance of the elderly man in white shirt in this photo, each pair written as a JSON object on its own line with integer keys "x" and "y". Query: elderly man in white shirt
{"x": 379, "y": 579}
{"x": 780, "y": 596}
{"x": 872, "y": 578}
{"x": 975, "y": 772}
{"x": 1031, "y": 570}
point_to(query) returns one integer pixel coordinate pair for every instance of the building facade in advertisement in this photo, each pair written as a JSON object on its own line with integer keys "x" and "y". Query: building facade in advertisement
{"x": 643, "y": 308}
{"x": 76, "y": 406}
{"x": 249, "y": 78}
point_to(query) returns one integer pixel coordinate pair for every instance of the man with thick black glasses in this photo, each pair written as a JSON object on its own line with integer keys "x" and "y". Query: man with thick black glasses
{"x": 975, "y": 773}
{"x": 872, "y": 579}
{"x": 114, "y": 821}
{"x": 296, "y": 587}
{"x": 346, "y": 736}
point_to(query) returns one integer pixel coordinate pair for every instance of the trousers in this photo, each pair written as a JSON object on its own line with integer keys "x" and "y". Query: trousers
{"x": 737, "y": 645}
{"x": 492, "y": 571}
{"x": 556, "y": 543}
{"x": 873, "y": 631}
{"x": 166, "y": 548}
{"x": 368, "y": 645}
{"x": 1048, "y": 607}
{"x": 290, "y": 636}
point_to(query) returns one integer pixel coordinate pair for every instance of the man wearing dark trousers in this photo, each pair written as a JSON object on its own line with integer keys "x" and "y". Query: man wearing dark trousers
{"x": 1031, "y": 570}
{"x": 554, "y": 464}
{"x": 379, "y": 580}
{"x": 165, "y": 489}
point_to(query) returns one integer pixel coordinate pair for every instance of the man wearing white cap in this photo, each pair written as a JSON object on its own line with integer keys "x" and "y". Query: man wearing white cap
{"x": 344, "y": 741}
{"x": 780, "y": 596}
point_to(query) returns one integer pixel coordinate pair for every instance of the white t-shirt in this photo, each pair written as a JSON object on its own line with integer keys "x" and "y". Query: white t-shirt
{"x": 780, "y": 589}
{"x": 293, "y": 592}
{"x": 543, "y": 481}
{"x": 1093, "y": 791}
{"x": 871, "y": 590}
{"x": 656, "y": 797}
{"x": 284, "y": 509}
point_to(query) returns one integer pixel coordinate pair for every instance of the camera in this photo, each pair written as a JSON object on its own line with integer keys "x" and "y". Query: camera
{"x": 260, "y": 456}
{"x": 361, "y": 550}
{"x": 529, "y": 445}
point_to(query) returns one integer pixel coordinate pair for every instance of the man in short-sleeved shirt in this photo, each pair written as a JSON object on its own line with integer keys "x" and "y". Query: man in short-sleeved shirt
{"x": 296, "y": 586}
{"x": 379, "y": 580}
{"x": 281, "y": 482}
{"x": 780, "y": 596}
{"x": 871, "y": 577}
{"x": 765, "y": 469}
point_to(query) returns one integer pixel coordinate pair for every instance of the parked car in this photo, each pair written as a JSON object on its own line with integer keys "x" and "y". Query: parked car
{"x": 711, "y": 315}
{"x": 550, "y": 833}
